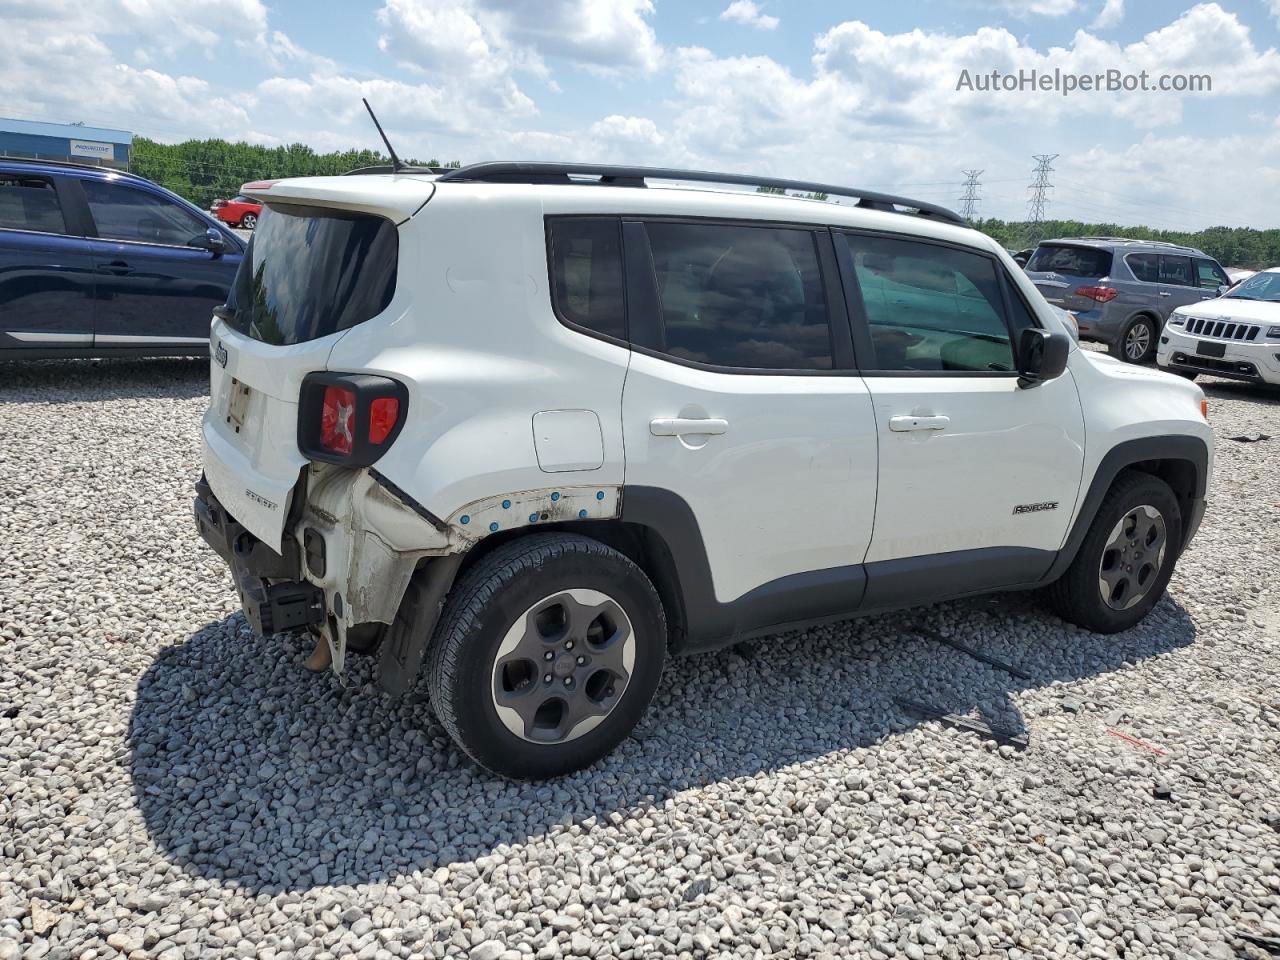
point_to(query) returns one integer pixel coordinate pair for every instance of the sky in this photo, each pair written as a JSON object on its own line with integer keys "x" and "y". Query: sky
{"x": 855, "y": 92}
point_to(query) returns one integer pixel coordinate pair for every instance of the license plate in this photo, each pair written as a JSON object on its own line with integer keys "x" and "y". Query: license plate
{"x": 1206, "y": 349}
{"x": 237, "y": 404}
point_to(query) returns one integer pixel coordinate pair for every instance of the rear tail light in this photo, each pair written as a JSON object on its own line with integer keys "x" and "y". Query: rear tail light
{"x": 337, "y": 419}
{"x": 1101, "y": 294}
{"x": 349, "y": 418}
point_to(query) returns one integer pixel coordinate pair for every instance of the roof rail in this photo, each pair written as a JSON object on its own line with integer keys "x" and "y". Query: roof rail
{"x": 54, "y": 162}
{"x": 503, "y": 171}
{"x": 388, "y": 168}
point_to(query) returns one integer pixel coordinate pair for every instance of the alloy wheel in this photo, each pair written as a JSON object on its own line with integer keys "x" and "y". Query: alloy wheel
{"x": 1132, "y": 559}
{"x": 1137, "y": 341}
{"x": 563, "y": 666}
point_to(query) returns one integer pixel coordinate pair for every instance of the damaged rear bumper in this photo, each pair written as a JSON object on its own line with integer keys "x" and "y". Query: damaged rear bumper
{"x": 268, "y": 583}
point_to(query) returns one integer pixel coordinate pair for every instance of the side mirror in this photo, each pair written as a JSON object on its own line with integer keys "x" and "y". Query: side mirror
{"x": 1042, "y": 356}
{"x": 1222, "y": 289}
{"x": 210, "y": 240}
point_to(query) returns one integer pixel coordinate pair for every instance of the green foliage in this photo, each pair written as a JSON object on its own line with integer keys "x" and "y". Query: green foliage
{"x": 205, "y": 170}
{"x": 1230, "y": 246}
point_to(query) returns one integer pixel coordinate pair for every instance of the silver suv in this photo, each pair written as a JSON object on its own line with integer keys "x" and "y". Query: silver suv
{"x": 1123, "y": 291}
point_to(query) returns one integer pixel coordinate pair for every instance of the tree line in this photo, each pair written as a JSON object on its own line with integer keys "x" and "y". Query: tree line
{"x": 205, "y": 170}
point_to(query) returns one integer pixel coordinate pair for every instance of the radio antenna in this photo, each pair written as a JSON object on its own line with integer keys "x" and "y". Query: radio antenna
{"x": 396, "y": 165}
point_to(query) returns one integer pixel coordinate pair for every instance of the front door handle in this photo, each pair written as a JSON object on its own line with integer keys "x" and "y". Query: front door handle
{"x": 1165, "y": 293}
{"x": 118, "y": 267}
{"x": 684, "y": 426}
{"x": 907, "y": 424}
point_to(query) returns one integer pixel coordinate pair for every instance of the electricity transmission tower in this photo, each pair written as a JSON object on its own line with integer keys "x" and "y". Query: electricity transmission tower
{"x": 1039, "y": 199}
{"x": 969, "y": 202}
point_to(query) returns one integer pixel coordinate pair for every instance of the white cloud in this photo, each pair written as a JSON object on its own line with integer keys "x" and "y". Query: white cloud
{"x": 165, "y": 27}
{"x": 501, "y": 37}
{"x": 1043, "y": 8}
{"x": 629, "y": 129}
{"x": 1112, "y": 13}
{"x": 749, "y": 13}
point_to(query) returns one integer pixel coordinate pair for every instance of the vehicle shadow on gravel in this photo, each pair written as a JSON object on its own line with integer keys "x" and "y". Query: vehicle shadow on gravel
{"x": 82, "y": 381}
{"x": 250, "y": 771}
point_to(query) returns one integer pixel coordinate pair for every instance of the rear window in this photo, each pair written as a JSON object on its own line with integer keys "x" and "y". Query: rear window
{"x": 1073, "y": 261}
{"x": 310, "y": 272}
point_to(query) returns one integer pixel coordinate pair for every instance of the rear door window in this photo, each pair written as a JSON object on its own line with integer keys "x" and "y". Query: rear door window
{"x": 1071, "y": 260}
{"x": 30, "y": 203}
{"x": 1145, "y": 267}
{"x": 1176, "y": 270}
{"x": 126, "y": 213}
{"x": 310, "y": 272}
{"x": 749, "y": 297}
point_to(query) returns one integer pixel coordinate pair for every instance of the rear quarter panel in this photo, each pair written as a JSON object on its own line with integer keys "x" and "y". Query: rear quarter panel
{"x": 474, "y": 338}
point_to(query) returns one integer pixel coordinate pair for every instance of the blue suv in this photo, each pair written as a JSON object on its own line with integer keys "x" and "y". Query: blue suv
{"x": 95, "y": 262}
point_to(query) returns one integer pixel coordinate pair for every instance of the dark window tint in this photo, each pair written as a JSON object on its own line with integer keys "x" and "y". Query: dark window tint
{"x": 931, "y": 307}
{"x": 125, "y": 213}
{"x": 310, "y": 272}
{"x": 1210, "y": 275}
{"x": 30, "y": 203}
{"x": 1176, "y": 270}
{"x": 1145, "y": 266}
{"x": 1075, "y": 261}
{"x": 586, "y": 274}
{"x": 741, "y": 296}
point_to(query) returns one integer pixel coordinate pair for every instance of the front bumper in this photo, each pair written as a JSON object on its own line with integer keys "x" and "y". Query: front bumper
{"x": 270, "y": 585}
{"x": 1249, "y": 362}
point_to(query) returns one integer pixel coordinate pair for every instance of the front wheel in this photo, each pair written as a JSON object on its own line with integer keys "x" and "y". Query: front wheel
{"x": 248, "y": 221}
{"x": 1137, "y": 342}
{"x": 548, "y": 652}
{"x": 1126, "y": 559}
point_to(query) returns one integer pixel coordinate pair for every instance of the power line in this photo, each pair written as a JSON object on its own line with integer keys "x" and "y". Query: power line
{"x": 1039, "y": 195}
{"x": 969, "y": 202}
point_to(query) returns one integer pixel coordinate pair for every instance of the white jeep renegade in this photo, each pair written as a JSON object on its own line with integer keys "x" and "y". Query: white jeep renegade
{"x": 544, "y": 425}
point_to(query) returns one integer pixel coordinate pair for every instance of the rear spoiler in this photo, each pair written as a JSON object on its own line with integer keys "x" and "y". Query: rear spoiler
{"x": 395, "y": 197}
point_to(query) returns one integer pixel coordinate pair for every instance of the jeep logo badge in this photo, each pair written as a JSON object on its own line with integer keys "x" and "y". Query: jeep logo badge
{"x": 220, "y": 354}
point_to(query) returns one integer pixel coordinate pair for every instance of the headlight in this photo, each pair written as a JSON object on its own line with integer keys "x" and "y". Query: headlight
{"x": 1177, "y": 320}
{"x": 1274, "y": 332}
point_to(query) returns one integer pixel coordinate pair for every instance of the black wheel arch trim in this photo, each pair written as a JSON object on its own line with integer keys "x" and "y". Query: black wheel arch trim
{"x": 1132, "y": 453}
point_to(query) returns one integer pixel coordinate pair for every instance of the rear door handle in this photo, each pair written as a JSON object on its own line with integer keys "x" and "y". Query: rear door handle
{"x": 682, "y": 426}
{"x": 907, "y": 424}
{"x": 118, "y": 267}
{"x": 1165, "y": 294}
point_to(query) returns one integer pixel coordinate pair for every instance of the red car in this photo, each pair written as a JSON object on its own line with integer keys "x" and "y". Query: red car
{"x": 240, "y": 212}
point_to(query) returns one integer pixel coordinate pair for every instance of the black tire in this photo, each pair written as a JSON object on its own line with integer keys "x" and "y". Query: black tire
{"x": 488, "y": 601}
{"x": 1141, "y": 329}
{"x": 249, "y": 221}
{"x": 1077, "y": 596}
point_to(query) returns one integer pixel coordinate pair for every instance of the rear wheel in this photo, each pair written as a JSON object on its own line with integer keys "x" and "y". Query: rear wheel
{"x": 1126, "y": 559}
{"x": 547, "y": 654}
{"x": 248, "y": 221}
{"x": 1137, "y": 343}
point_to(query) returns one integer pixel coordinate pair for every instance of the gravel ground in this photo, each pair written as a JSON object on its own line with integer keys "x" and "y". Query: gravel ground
{"x": 174, "y": 788}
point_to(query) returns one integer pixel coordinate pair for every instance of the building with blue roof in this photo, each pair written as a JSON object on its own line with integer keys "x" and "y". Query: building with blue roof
{"x": 65, "y": 141}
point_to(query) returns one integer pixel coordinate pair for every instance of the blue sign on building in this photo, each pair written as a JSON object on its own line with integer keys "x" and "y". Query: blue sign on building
{"x": 64, "y": 141}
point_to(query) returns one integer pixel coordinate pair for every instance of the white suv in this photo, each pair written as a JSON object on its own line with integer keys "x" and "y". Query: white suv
{"x": 1235, "y": 336}
{"x": 545, "y": 424}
